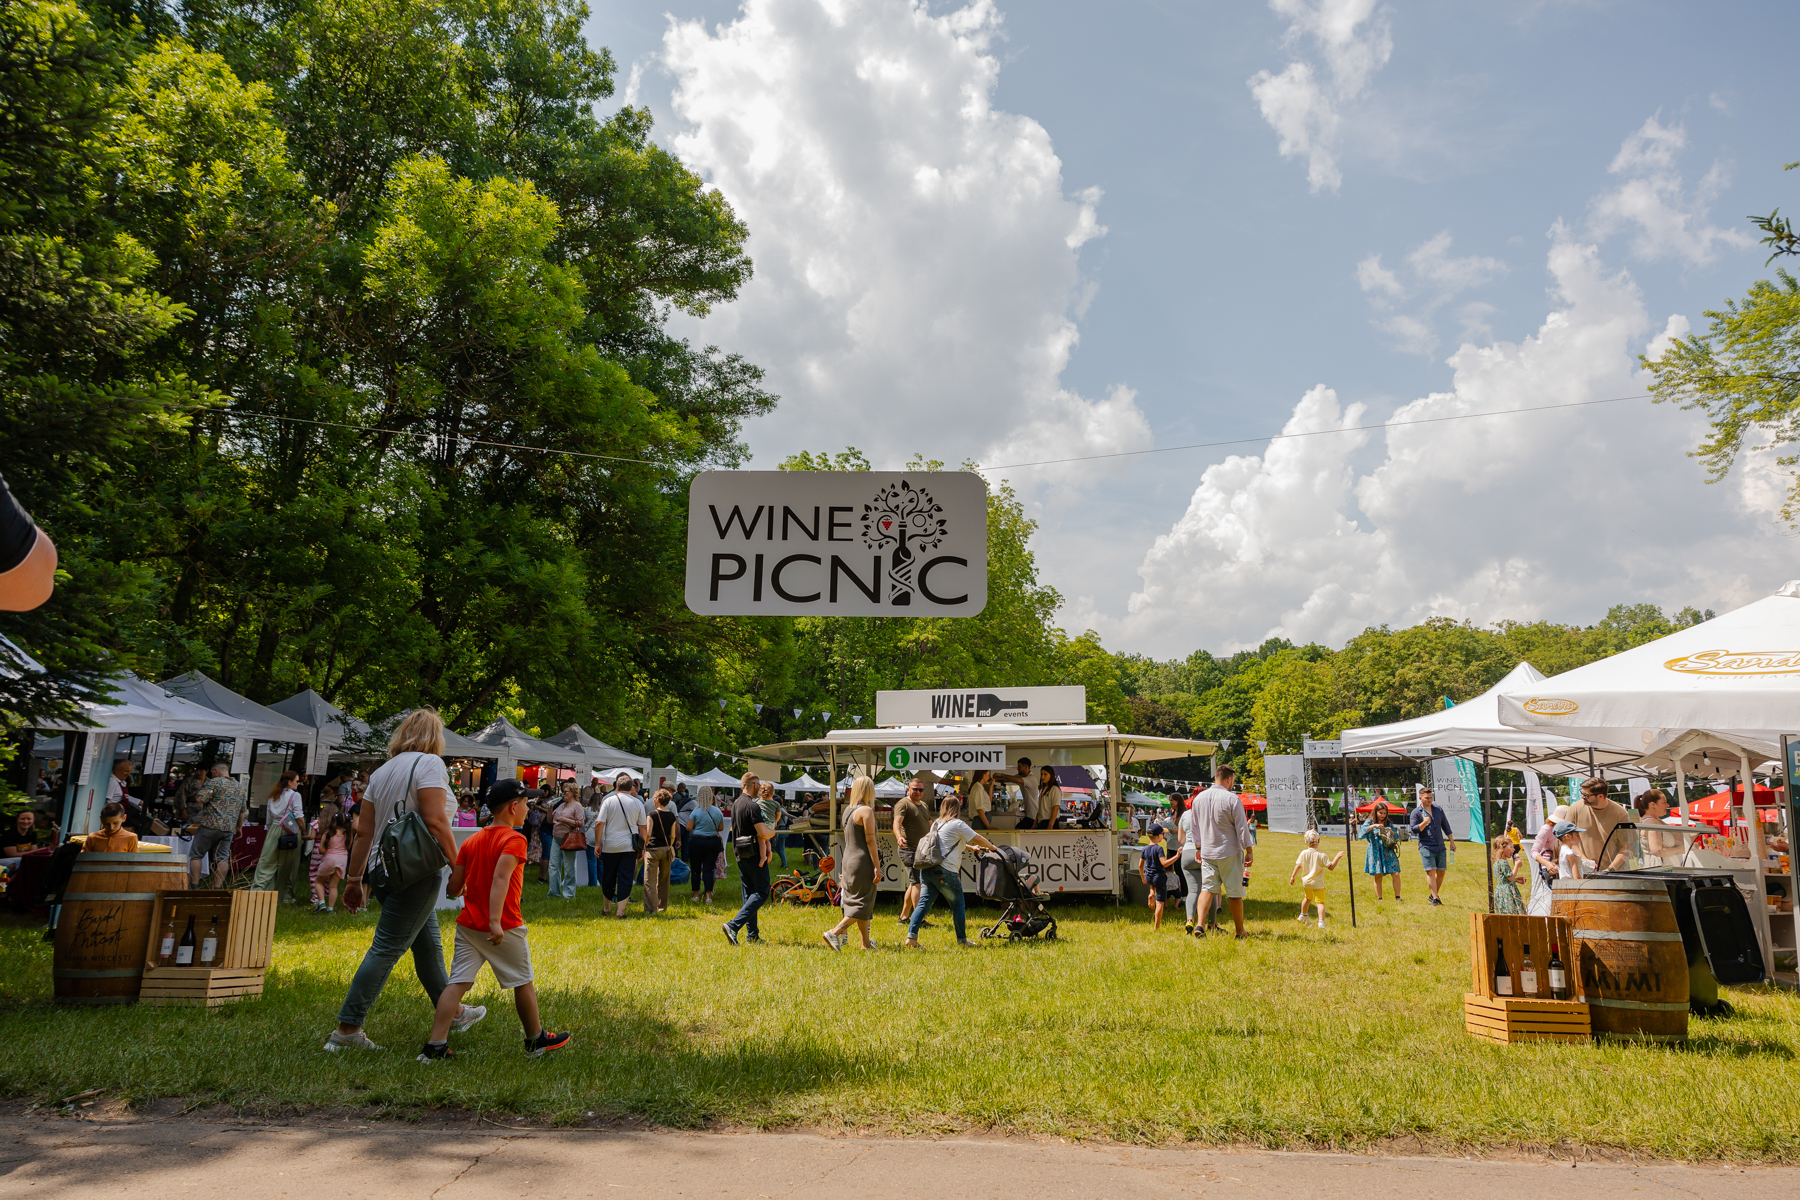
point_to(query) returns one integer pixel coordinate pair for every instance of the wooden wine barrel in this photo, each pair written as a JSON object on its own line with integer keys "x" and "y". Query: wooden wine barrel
{"x": 1628, "y": 959}
{"x": 103, "y": 933}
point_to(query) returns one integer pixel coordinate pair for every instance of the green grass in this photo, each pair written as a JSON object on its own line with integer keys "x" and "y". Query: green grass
{"x": 1296, "y": 1038}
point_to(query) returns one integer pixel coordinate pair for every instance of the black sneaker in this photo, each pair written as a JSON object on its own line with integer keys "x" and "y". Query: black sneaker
{"x": 435, "y": 1052}
{"x": 755, "y": 939}
{"x": 1437, "y": 902}
{"x": 730, "y": 934}
{"x": 545, "y": 1042}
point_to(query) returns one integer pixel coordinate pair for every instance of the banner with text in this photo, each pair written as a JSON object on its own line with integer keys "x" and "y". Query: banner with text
{"x": 946, "y": 758}
{"x": 979, "y": 706}
{"x": 837, "y": 543}
{"x": 1284, "y": 779}
{"x": 1061, "y": 860}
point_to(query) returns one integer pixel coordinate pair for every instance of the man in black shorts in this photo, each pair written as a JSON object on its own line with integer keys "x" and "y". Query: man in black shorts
{"x": 750, "y": 838}
{"x": 912, "y": 817}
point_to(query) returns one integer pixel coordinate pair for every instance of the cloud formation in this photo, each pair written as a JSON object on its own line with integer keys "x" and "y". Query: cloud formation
{"x": 1652, "y": 198}
{"x": 1558, "y": 514}
{"x": 1408, "y": 314}
{"x": 1350, "y": 41}
{"x": 917, "y": 253}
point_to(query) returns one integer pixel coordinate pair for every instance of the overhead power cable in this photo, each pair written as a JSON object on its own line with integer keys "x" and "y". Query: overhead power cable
{"x": 1276, "y": 437}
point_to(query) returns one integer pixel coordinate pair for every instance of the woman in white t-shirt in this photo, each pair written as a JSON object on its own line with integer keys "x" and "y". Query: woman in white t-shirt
{"x": 621, "y": 815}
{"x": 1049, "y": 798}
{"x": 952, "y": 834}
{"x": 283, "y": 819}
{"x": 981, "y": 799}
{"x": 414, "y": 779}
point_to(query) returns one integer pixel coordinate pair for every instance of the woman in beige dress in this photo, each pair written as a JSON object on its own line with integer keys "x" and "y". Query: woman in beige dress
{"x": 861, "y": 866}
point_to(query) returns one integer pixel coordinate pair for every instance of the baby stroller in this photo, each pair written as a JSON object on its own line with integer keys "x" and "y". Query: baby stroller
{"x": 997, "y": 878}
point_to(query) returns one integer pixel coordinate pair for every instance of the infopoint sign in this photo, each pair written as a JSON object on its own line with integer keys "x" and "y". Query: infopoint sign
{"x": 837, "y": 543}
{"x": 946, "y": 758}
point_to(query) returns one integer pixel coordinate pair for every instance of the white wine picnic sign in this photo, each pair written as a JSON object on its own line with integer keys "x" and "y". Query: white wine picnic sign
{"x": 837, "y": 543}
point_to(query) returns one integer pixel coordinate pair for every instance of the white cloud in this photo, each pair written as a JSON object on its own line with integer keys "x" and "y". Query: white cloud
{"x": 1554, "y": 515}
{"x": 1670, "y": 221}
{"x": 1304, "y": 103}
{"x": 917, "y": 278}
{"x": 1438, "y": 277}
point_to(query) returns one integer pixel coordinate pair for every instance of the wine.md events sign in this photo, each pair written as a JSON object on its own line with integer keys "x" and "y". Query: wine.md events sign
{"x": 981, "y": 706}
{"x": 837, "y": 543}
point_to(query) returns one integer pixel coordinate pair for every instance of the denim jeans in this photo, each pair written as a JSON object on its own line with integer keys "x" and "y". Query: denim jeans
{"x": 562, "y": 872}
{"x": 1190, "y": 866}
{"x": 756, "y": 890}
{"x": 619, "y": 872}
{"x": 780, "y": 848}
{"x": 408, "y": 921}
{"x": 947, "y": 882}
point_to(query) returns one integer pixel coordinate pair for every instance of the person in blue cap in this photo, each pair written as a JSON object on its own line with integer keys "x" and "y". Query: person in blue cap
{"x": 1153, "y": 869}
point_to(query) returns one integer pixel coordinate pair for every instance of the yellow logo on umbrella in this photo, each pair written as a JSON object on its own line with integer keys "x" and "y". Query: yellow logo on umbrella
{"x": 1546, "y": 706}
{"x": 1737, "y": 662}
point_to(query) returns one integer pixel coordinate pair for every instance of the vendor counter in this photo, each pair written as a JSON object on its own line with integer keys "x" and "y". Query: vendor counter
{"x": 1062, "y": 860}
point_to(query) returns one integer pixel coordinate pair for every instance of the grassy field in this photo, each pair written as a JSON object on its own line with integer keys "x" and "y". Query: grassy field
{"x": 1298, "y": 1037}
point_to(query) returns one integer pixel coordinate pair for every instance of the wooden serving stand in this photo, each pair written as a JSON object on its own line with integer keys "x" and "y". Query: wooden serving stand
{"x": 249, "y": 920}
{"x": 1510, "y": 1019}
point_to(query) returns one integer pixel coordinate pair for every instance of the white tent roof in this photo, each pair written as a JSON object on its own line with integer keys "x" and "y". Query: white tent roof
{"x": 890, "y": 789}
{"x": 806, "y": 783}
{"x": 263, "y": 724}
{"x": 1737, "y": 675}
{"x": 503, "y": 735}
{"x": 596, "y": 753}
{"x": 1474, "y": 725}
{"x": 339, "y": 727}
{"x": 714, "y": 778}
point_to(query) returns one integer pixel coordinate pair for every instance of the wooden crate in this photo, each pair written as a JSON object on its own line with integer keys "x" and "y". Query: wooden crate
{"x": 248, "y": 917}
{"x": 197, "y": 987}
{"x": 1510, "y": 1020}
{"x": 249, "y": 920}
{"x": 1514, "y": 932}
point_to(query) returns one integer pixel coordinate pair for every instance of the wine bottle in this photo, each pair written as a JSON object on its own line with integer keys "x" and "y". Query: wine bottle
{"x": 1502, "y": 972}
{"x": 184, "y": 949}
{"x": 167, "y": 950}
{"x": 1528, "y": 974}
{"x": 209, "y": 945}
{"x": 1559, "y": 977}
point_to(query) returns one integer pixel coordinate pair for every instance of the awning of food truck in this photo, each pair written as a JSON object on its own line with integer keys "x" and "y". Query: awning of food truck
{"x": 1053, "y": 744}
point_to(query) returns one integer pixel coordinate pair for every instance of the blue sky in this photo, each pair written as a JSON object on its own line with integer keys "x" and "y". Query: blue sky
{"x": 934, "y": 279}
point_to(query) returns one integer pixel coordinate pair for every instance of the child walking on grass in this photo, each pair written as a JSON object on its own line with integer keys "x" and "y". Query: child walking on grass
{"x": 490, "y": 874}
{"x": 1310, "y": 870}
{"x": 1153, "y": 869}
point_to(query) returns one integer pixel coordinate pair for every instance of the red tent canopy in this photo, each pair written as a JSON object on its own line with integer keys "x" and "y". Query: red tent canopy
{"x": 1393, "y": 806}
{"x": 1253, "y": 803}
{"x": 1714, "y": 809}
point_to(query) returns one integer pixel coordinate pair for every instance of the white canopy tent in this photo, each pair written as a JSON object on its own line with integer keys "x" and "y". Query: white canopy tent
{"x": 714, "y": 778}
{"x": 502, "y": 735}
{"x": 260, "y": 723}
{"x": 1474, "y": 726}
{"x": 598, "y": 755}
{"x": 1728, "y": 687}
{"x": 334, "y": 730}
{"x": 806, "y": 783}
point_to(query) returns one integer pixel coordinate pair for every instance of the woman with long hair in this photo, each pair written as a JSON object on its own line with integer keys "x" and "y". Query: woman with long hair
{"x": 1049, "y": 796}
{"x": 413, "y": 779}
{"x": 861, "y": 867}
{"x": 705, "y": 844}
{"x": 568, "y": 842}
{"x": 1381, "y": 858}
{"x": 283, "y": 824}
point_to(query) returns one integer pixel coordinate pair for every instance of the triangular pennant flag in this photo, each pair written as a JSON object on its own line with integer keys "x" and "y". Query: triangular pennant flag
{"x": 758, "y": 708}
{"x": 827, "y": 716}
{"x": 796, "y": 713}
{"x": 721, "y": 705}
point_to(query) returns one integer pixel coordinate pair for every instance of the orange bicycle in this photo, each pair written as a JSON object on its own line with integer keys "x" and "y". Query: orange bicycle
{"x": 797, "y": 888}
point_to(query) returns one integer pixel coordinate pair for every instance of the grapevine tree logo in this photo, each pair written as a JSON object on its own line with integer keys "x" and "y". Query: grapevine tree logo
{"x": 908, "y": 520}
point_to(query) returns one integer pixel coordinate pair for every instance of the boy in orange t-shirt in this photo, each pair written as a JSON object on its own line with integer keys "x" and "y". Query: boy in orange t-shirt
{"x": 490, "y": 875}
{"x": 113, "y": 837}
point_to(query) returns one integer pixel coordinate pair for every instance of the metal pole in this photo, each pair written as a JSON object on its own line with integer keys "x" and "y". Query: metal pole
{"x": 1349, "y": 816}
{"x": 1487, "y": 837}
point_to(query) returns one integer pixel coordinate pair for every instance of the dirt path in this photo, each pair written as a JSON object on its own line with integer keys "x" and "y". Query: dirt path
{"x": 113, "y": 1159}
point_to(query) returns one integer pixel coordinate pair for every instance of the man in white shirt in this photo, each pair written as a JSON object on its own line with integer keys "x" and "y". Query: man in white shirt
{"x": 1028, "y": 789}
{"x": 1225, "y": 846}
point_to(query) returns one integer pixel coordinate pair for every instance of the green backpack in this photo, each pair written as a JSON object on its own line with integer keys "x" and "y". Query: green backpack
{"x": 407, "y": 852}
